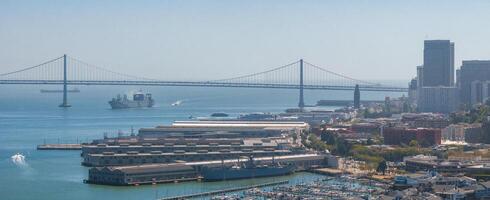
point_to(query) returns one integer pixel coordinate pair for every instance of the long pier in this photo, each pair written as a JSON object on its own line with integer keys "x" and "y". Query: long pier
{"x": 211, "y": 193}
{"x": 59, "y": 147}
{"x": 343, "y": 102}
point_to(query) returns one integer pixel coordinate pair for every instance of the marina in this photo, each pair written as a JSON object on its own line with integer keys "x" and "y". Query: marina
{"x": 223, "y": 191}
{"x": 329, "y": 188}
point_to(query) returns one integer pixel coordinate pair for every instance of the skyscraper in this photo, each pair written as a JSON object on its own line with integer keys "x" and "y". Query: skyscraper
{"x": 438, "y": 68}
{"x": 474, "y": 77}
{"x": 436, "y": 91}
{"x": 357, "y": 97}
{"x": 412, "y": 91}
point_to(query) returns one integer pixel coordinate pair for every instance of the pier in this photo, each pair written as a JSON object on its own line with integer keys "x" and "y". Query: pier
{"x": 59, "y": 147}
{"x": 327, "y": 171}
{"x": 205, "y": 194}
{"x": 343, "y": 102}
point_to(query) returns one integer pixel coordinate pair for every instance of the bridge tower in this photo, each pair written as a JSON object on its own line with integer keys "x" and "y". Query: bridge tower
{"x": 65, "y": 92}
{"x": 301, "y": 104}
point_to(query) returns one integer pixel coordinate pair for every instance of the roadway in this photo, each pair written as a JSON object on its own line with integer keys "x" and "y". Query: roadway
{"x": 204, "y": 84}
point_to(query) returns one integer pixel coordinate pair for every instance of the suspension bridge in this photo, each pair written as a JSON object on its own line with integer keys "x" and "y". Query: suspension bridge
{"x": 300, "y": 75}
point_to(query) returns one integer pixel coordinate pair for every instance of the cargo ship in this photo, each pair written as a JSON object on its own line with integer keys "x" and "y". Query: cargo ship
{"x": 219, "y": 114}
{"x": 257, "y": 117}
{"x": 74, "y": 90}
{"x": 139, "y": 100}
{"x": 247, "y": 170}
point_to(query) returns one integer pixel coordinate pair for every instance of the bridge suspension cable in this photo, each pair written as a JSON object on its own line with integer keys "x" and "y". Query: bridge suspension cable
{"x": 276, "y": 75}
{"x": 33, "y": 67}
{"x": 286, "y": 76}
{"x": 351, "y": 80}
{"x": 80, "y": 69}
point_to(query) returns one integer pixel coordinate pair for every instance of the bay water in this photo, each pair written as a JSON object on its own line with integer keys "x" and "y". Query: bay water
{"x": 29, "y": 118}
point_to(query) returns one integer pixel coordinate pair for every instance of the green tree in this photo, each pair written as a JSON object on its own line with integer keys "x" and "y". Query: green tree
{"x": 316, "y": 143}
{"x": 413, "y": 143}
{"x": 382, "y": 166}
{"x": 328, "y": 137}
{"x": 369, "y": 141}
{"x": 366, "y": 113}
{"x": 342, "y": 147}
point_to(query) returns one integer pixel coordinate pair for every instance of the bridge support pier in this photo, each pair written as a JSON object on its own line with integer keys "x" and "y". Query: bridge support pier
{"x": 301, "y": 103}
{"x": 65, "y": 92}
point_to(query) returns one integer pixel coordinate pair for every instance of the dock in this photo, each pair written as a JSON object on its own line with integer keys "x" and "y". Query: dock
{"x": 327, "y": 171}
{"x": 343, "y": 102}
{"x": 59, "y": 147}
{"x": 235, "y": 189}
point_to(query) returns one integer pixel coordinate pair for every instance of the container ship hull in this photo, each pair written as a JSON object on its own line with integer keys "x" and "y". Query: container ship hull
{"x": 219, "y": 174}
{"x": 139, "y": 100}
{"x": 131, "y": 104}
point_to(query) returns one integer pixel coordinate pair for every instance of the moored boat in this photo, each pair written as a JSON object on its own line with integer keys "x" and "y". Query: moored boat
{"x": 247, "y": 170}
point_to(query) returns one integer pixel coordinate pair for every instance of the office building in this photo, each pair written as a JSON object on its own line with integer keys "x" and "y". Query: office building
{"x": 480, "y": 91}
{"x": 474, "y": 77}
{"x": 412, "y": 91}
{"x": 437, "y": 99}
{"x": 438, "y": 68}
{"x": 420, "y": 76}
{"x": 435, "y": 79}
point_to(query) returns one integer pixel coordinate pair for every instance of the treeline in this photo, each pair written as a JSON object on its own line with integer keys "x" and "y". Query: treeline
{"x": 476, "y": 114}
{"x": 372, "y": 156}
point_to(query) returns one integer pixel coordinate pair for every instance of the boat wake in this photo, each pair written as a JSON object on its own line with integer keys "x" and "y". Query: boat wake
{"x": 19, "y": 160}
{"x": 177, "y": 103}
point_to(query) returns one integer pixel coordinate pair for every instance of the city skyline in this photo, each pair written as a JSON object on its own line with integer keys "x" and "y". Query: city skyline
{"x": 313, "y": 99}
{"x": 357, "y": 40}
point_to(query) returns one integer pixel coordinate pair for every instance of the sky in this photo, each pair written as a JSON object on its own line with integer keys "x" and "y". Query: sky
{"x": 207, "y": 40}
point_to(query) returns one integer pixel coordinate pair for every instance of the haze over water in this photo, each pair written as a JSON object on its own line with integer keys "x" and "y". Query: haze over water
{"x": 27, "y": 118}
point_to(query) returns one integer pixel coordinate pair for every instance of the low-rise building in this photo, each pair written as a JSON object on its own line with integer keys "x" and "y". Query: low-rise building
{"x": 462, "y": 132}
{"x": 135, "y": 175}
{"x": 425, "y": 120}
{"x": 402, "y": 135}
{"x": 188, "y": 145}
{"x": 228, "y": 129}
{"x": 136, "y": 158}
{"x": 472, "y": 168}
{"x": 482, "y": 191}
{"x": 474, "y": 134}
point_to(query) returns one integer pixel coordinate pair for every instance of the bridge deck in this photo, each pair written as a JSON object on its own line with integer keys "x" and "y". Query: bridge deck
{"x": 206, "y": 84}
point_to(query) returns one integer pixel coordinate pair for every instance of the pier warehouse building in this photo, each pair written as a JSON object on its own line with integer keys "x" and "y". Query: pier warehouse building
{"x": 222, "y": 129}
{"x": 195, "y": 141}
{"x": 185, "y": 171}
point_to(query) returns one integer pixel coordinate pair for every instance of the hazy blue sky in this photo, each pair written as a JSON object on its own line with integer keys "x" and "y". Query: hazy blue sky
{"x": 218, "y": 39}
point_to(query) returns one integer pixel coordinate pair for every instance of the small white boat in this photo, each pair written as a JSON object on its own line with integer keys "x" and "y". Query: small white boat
{"x": 18, "y": 159}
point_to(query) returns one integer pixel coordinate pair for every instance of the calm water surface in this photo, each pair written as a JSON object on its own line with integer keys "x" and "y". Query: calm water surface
{"x": 29, "y": 118}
